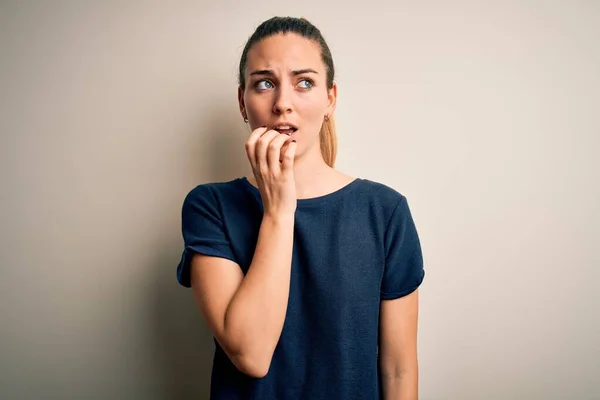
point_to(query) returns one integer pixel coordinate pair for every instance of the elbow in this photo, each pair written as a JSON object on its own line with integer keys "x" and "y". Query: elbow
{"x": 399, "y": 369}
{"x": 251, "y": 355}
{"x": 251, "y": 360}
{"x": 255, "y": 366}
{"x": 397, "y": 374}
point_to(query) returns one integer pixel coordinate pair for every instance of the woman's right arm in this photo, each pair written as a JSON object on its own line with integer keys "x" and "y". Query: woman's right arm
{"x": 246, "y": 313}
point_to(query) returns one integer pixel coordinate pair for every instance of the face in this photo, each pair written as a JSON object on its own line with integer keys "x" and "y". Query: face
{"x": 286, "y": 83}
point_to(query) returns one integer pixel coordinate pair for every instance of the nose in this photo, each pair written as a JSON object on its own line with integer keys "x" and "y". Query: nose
{"x": 283, "y": 101}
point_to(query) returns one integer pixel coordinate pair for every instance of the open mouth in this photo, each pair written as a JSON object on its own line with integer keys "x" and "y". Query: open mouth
{"x": 285, "y": 129}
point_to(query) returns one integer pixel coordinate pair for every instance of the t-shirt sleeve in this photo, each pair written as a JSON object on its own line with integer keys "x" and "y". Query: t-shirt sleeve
{"x": 202, "y": 229}
{"x": 403, "y": 272}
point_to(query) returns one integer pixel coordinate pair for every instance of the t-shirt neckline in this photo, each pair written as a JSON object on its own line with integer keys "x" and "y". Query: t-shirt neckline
{"x": 313, "y": 200}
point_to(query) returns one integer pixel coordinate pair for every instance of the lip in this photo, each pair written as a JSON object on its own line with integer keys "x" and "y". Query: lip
{"x": 280, "y": 124}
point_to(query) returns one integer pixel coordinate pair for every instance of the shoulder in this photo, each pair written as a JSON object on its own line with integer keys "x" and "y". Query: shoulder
{"x": 216, "y": 198}
{"x": 381, "y": 203}
{"x": 214, "y": 191}
{"x": 382, "y": 193}
{"x": 392, "y": 203}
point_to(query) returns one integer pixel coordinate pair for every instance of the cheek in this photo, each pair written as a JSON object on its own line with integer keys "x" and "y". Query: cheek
{"x": 257, "y": 106}
{"x": 312, "y": 110}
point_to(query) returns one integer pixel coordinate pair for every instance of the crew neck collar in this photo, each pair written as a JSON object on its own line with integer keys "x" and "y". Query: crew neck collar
{"x": 313, "y": 200}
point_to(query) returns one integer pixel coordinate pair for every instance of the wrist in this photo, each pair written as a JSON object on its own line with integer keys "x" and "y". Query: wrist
{"x": 279, "y": 218}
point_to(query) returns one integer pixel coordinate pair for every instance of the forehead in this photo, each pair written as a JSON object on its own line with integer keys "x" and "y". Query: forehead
{"x": 288, "y": 51}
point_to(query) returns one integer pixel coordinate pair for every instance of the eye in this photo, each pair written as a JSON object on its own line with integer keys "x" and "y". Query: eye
{"x": 263, "y": 85}
{"x": 306, "y": 83}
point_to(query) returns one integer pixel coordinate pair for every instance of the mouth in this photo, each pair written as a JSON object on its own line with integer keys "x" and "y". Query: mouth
{"x": 286, "y": 129}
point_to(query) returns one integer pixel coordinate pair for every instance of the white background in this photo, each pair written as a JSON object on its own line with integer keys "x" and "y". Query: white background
{"x": 484, "y": 114}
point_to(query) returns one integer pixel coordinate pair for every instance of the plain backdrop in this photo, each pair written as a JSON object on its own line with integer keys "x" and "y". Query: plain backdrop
{"x": 485, "y": 115}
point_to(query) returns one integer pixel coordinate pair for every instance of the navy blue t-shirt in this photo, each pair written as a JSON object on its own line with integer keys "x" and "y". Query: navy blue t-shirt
{"x": 352, "y": 249}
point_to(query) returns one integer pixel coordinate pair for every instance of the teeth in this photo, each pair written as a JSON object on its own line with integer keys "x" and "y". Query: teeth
{"x": 283, "y": 127}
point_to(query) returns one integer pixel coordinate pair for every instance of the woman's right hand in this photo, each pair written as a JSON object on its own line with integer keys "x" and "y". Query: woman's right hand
{"x": 273, "y": 170}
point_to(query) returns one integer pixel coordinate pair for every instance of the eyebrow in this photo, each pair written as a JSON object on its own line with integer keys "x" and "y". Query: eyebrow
{"x": 294, "y": 72}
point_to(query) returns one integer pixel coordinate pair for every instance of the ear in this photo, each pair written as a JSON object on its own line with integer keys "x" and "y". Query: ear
{"x": 331, "y": 99}
{"x": 241, "y": 102}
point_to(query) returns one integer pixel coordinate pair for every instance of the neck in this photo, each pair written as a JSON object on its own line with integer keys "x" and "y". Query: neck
{"x": 312, "y": 175}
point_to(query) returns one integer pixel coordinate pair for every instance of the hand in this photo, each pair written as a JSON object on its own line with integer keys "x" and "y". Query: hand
{"x": 273, "y": 170}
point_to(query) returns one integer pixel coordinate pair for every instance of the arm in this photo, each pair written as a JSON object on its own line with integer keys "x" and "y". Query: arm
{"x": 398, "y": 347}
{"x": 246, "y": 314}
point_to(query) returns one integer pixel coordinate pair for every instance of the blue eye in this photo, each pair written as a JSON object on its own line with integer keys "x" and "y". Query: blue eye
{"x": 308, "y": 82}
{"x": 263, "y": 85}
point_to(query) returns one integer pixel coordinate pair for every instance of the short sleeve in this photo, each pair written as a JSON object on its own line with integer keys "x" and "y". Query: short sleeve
{"x": 403, "y": 272}
{"x": 202, "y": 229}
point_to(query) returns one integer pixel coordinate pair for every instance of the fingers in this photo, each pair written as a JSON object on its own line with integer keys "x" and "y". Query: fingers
{"x": 288, "y": 156}
{"x": 275, "y": 149}
{"x": 262, "y": 147}
{"x": 251, "y": 144}
{"x": 264, "y": 150}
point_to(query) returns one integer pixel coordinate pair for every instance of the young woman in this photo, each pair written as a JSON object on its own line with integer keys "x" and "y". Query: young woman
{"x": 307, "y": 277}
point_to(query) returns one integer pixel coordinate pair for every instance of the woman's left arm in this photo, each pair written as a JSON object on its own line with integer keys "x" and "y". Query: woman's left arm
{"x": 398, "y": 347}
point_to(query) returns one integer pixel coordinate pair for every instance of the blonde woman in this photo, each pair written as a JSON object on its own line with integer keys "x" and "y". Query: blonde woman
{"x": 307, "y": 277}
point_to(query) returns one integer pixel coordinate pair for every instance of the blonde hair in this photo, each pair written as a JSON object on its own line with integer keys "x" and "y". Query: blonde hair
{"x": 328, "y": 139}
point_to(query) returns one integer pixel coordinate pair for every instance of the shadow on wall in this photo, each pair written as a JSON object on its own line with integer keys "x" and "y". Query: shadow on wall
{"x": 183, "y": 343}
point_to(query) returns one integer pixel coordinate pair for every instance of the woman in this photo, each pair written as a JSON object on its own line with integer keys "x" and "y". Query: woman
{"x": 306, "y": 276}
